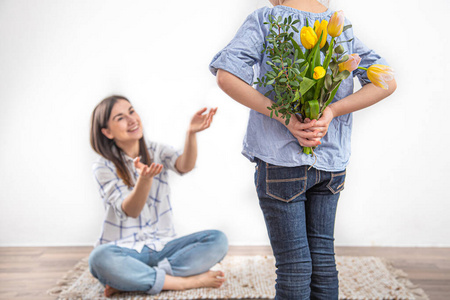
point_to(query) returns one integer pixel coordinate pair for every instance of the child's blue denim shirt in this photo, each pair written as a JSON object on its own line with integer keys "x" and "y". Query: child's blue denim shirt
{"x": 266, "y": 138}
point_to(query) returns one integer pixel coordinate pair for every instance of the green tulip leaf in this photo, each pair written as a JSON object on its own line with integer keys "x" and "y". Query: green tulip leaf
{"x": 317, "y": 54}
{"x": 297, "y": 47}
{"x": 307, "y": 110}
{"x": 313, "y": 107}
{"x": 297, "y": 96}
{"x": 304, "y": 69}
{"x": 330, "y": 52}
{"x": 333, "y": 93}
{"x": 306, "y": 85}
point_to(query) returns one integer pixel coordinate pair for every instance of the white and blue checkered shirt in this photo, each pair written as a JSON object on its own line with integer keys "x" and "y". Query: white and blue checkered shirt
{"x": 154, "y": 226}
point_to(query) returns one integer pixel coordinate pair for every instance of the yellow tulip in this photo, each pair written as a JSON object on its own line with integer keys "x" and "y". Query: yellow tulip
{"x": 319, "y": 72}
{"x": 351, "y": 64}
{"x": 308, "y": 37}
{"x": 336, "y": 24}
{"x": 380, "y": 75}
{"x": 320, "y": 27}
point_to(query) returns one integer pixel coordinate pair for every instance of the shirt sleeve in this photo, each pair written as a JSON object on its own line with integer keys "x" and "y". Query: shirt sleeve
{"x": 244, "y": 50}
{"x": 168, "y": 157}
{"x": 112, "y": 189}
{"x": 368, "y": 58}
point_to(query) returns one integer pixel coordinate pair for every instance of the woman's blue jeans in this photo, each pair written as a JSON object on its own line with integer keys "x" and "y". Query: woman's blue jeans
{"x": 299, "y": 207}
{"x": 128, "y": 270}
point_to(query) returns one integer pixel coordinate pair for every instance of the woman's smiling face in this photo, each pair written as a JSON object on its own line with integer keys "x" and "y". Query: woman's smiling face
{"x": 124, "y": 124}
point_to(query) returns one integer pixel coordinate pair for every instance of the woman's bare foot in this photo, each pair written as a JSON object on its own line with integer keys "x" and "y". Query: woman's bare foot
{"x": 109, "y": 291}
{"x": 213, "y": 279}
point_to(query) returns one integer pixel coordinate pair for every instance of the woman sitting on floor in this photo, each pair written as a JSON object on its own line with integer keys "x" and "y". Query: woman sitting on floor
{"x": 138, "y": 249}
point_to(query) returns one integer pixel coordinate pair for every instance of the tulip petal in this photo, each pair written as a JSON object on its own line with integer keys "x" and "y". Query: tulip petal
{"x": 319, "y": 72}
{"x": 308, "y": 37}
{"x": 336, "y": 24}
{"x": 351, "y": 64}
{"x": 379, "y": 75}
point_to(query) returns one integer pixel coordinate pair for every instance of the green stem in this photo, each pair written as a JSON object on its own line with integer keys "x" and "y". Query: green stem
{"x": 319, "y": 86}
{"x": 307, "y": 150}
{"x": 362, "y": 68}
{"x": 330, "y": 53}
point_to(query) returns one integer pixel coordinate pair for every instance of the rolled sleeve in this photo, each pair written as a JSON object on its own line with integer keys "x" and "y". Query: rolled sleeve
{"x": 368, "y": 58}
{"x": 112, "y": 189}
{"x": 234, "y": 64}
{"x": 244, "y": 50}
{"x": 168, "y": 156}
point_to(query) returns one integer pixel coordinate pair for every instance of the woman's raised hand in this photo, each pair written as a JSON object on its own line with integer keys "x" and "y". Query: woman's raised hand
{"x": 145, "y": 171}
{"x": 201, "y": 121}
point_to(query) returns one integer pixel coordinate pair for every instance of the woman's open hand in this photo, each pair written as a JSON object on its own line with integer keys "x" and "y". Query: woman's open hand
{"x": 201, "y": 121}
{"x": 145, "y": 171}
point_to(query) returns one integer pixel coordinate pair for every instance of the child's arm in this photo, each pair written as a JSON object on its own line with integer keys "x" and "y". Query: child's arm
{"x": 367, "y": 96}
{"x": 248, "y": 96}
{"x": 186, "y": 161}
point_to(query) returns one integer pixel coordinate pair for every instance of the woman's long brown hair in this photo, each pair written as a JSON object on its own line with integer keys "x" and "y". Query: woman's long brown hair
{"x": 104, "y": 146}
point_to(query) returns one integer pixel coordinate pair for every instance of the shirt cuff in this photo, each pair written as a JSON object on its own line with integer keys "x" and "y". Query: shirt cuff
{"x": 173, "y": 161}
{"x": 159, "y": 282}
{"x": 233, "y": 65}
{"x": 117, "y": 207}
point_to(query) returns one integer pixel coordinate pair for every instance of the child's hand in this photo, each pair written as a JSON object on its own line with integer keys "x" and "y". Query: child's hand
{"x": 321, "y": 126}
{"x": 200, "y": 121}
{"x": 303, "y": 132}
{"x": 145, "y": 171}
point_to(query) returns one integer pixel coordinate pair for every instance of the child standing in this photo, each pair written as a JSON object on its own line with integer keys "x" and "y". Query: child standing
{"x": 298, "y": 202}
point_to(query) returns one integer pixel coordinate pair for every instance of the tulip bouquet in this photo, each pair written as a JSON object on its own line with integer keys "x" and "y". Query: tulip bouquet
{"x": 301, "y": 83}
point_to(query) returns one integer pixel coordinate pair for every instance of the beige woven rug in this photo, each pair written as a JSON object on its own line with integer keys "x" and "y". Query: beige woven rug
{"x": 253, "y": 277}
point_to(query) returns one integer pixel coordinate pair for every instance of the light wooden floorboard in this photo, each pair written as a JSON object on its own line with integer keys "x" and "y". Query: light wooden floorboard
{"x": 28, "y": 272}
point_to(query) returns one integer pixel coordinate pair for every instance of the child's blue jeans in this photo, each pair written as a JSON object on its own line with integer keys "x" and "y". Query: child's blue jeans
{"x": 299, "y": 208}
{"x": 128, "y": 270}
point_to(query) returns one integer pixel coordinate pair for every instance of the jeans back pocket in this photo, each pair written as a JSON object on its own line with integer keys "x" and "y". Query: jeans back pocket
{"x": 337, "y": 182}
{"x": 285, "y": 183}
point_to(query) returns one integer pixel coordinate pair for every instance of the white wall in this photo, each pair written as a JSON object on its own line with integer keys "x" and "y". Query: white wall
{"x": 59, "y": 58}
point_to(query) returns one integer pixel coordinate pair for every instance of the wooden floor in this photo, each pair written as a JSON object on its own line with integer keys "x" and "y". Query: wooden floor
{"x": 28, "y": 272}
